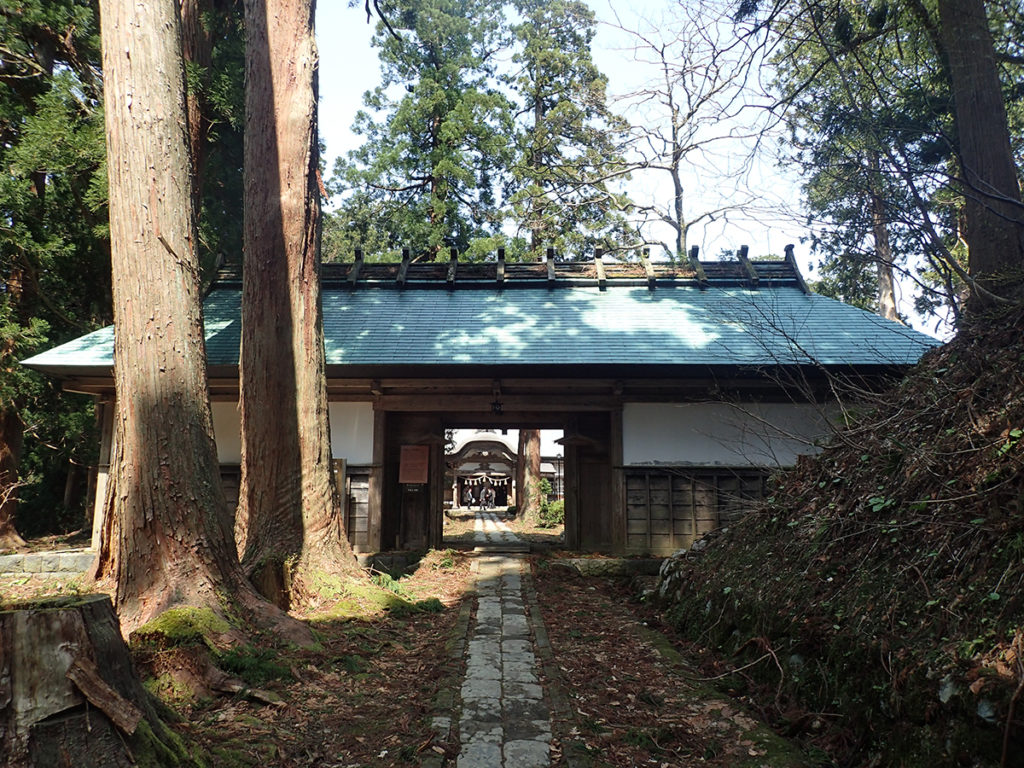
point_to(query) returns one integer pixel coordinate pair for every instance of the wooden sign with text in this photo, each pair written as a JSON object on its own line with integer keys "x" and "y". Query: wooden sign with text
{"x": 414, "y": 465}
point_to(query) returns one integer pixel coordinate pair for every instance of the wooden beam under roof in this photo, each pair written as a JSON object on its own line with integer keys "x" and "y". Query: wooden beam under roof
{"x": 602, "y": 278}
{"x": 741, "y": 254}
{"x": 500, "y": 272}
{"x": 549, "y": 258}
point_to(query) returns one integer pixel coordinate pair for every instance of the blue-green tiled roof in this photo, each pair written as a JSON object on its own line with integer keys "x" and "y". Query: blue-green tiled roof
{"x": 622, "y": 325}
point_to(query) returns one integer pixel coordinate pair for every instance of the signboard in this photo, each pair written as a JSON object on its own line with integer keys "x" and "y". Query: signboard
{"x": 414, "y": 464}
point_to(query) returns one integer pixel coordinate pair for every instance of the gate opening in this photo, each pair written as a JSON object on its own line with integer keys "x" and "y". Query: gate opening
{"x": 491, "y": 476}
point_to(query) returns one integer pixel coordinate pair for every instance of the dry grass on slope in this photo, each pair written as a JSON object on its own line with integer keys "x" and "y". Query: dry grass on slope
{"x": 881, "y": 586}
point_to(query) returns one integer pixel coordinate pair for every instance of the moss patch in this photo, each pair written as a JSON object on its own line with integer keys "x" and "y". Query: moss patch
{"x": 182, "y": 626}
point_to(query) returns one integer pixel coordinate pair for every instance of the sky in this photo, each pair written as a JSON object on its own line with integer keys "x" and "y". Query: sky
{"x": 349, "y": 67}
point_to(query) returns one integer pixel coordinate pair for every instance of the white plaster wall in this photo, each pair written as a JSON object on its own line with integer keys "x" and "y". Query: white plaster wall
{"x": 351, "y": 432}
{"x": 720, "y": 434}
{"x": 227, "y": 430}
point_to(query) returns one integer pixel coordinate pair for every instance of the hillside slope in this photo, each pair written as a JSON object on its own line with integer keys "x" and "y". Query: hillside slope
{"x": 878, "y": 595}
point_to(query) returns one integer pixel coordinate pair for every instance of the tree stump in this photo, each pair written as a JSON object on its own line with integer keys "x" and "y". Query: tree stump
{"x": 69, "y": 694}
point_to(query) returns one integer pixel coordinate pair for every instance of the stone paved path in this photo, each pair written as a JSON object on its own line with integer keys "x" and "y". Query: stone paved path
{"x": 505, "y": 721}
{"x": 490, "y": 530}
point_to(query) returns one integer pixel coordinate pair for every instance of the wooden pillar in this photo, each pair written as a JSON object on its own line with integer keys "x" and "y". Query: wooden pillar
{"x": 618, "y": 495}
{"x": 572, "y": 498}
{"x": 376, "y": 490}
{"x": 105, "y": 414}
{"x": 435, "y": 526}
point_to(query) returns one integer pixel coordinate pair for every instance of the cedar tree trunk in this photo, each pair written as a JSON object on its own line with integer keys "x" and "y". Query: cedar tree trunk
{"x": 528, "y": 474}
{"x": 993, "y": 213}
{"x": 288, "y": 506}
{"x": 167, "y": 538}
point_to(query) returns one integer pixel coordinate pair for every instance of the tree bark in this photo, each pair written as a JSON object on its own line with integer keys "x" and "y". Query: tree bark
{"x": 528, "y": 474}
{"x": 288, "y": 500}
{"x": 993, "y": 212}
{"x": 167, "y": 537}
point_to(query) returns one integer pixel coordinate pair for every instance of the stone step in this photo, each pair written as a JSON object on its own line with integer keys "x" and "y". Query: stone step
{"x": 66, "y": 563}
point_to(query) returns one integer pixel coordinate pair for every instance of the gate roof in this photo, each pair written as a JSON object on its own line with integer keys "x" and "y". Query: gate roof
{"x": 456, "y": 317}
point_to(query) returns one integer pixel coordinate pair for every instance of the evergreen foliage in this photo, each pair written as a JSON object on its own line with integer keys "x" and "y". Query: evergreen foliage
{"x": 870, "y": 110}
{"x": 437, "y": 131}
{"x": 567, "y": 142}
{"x": 468, "y": 150}
{"x": 54, "y": 242}
{"x": 53, "y": 248}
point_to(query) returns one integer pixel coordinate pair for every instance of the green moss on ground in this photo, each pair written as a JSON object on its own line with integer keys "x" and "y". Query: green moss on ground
{"x": 182, "y": 626}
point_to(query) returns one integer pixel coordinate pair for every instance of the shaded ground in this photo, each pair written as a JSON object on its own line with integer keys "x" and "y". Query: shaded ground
{"x": 367, "y": 695}
{"x": 634, "y": 699}
{"x": 74, "y": 540}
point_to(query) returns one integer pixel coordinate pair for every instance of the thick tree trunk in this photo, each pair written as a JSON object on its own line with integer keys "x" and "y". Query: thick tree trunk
{"x": 168, "y": 539}
{"x": 528, "y": 474}
{"x": 883, "y": 257}
{"x": 993, "y": 211}
{"x": 287, "y": 498}
{"x": 69, "y": 694}
{"x": 12, "y": 431}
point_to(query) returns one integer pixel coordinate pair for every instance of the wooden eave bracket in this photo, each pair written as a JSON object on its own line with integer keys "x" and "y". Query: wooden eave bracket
{"x": 549, "y": 258}
{"x": 357, "y": 267}
{"x": 403, "y": 269}
{"x": 791, "y": 260}
{"x": 453, "y": 266}
{"x": 602, "y": 277}
{"x": 645, "y": 258}
{"x": 698, "y": 268}
{"x": 741, "y": 254}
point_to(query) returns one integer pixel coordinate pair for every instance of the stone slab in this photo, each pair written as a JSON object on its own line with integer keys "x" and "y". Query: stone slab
{"x": 527, "y": 754}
